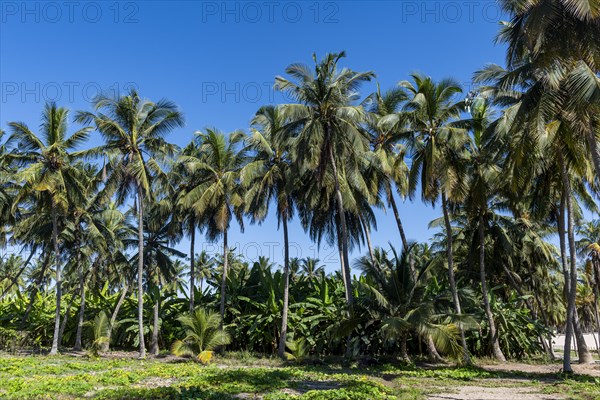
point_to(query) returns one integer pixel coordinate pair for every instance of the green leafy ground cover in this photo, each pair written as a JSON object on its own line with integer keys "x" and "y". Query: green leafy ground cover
{"x": 68, "y": 377}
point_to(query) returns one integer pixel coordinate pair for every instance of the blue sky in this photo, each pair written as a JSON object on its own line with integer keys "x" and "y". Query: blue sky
{"x": 217, "y": 60}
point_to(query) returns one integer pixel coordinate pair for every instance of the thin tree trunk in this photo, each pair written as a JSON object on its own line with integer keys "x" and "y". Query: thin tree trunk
{"x": 572, "y": 293}
{"x": 16, "y": 277}
{"x": 154, "y": 350}
{"x": 82, "y": 305}
{"x": 585, "y": 356}
{"x": 224, "y": 277}
{"x": 432, "y": 352}
{"x": 56, "y": 339}
{"x": 486, "y": 301}
{"x": 35, "y": 290}
{"x": 113, "y": 318}
{"x": 403, "y": 348}
{"x": 392, "y": 202}
{"x": 63, "y": 323}
{"x": 140, "y": 273}
{"x": 286, "y": 287}
{"x": 192, "y": 266}
{"x": 450, "y": 256}
{"x": 368, "y": 238}
{"x": 563, "y": 252}
{"x": 597, "y": 314}
{"x": 344, "y": 231}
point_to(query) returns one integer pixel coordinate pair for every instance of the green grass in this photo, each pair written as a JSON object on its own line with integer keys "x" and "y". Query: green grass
{"x": 67, "y": 377}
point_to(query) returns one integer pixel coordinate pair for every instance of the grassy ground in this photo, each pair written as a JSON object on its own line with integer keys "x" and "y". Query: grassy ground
{"x": 67, "y": 377}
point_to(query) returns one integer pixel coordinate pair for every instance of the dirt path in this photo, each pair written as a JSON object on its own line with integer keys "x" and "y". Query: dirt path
{"x": 495, "y": 393}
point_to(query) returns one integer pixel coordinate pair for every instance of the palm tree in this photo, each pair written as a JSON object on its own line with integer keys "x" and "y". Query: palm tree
{"x": 311, "y": 268}
{"x": 559, "y": 38}
{"x": 269, "y": 177}
{"x": 134, "y": 131}
{"x": 324, "y": 125}
{"x": 203, "y": 332}
{"x": 386, "y": 154}
{"x": 218, "y": 195}
{"x": 437, "y": 145}
{"x": 484, "y": 180}
{"x": 49, "y": 170}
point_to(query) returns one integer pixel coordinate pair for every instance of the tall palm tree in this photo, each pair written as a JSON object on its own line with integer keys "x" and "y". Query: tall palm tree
{"x": 558, "y": 37}
{"x": 325, "y": 126}
{"x": 484, "y": 184}
{"x": 436, "y": 144}
{"x": 387, "y": 155}
{"x": 48, "y": 161}
{"x": 134, "y": 131}
{"x": 268, "y": 176}
{"x": 218, "y": 195}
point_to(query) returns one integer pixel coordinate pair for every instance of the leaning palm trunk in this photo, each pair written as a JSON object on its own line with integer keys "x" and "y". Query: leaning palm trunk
{"x": 141, "y": 272}
{"x": 455, "y": 299}
{"x": 286, "y": 288}
{"x": 82, "y": 304}
{"x": 486, "y": 301}
{"x": 56, "y": 339}
{"x": 16, "y": 278}
{"x": 34, "y": 292}
{"x": 154, "y": 350}
{"x": 224, "y": 278}
{"x": 344, "y": 232}
{"x": 113, "y": 318}
{"x": 368, "y": 238}
{"x": 432, "y": 352}
{"x": 192, "y": 266}
{"x": 573, "y": 327}
{"x": 392, "y": 202}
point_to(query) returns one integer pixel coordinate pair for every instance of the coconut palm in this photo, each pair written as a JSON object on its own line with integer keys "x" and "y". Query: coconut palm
{"x": 436, "y": 144}
{"x": 324, "y": 125}
{"x": 268, "y": 176}
{"x": 218, "y": 195}
{"x": 203, "y": 335}
{"x": 134, "y": 131}
{"x": 49, "y": 170}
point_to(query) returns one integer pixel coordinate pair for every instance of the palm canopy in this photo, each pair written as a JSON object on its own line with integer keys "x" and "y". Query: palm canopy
{"x": 134, "y": 130}
{"x": 436, "y": 142}
{"x": 268, "y": 176}
{"x": 49, "y": 159}
{"x": 325, "y": 122}
{"x": 217, "y": 193}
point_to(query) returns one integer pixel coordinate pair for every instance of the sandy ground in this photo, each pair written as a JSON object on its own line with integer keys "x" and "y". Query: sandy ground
{"x": 505, "y": 389}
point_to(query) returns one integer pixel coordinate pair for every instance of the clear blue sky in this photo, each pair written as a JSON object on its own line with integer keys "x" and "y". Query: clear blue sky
{"x": 217, "y": 60}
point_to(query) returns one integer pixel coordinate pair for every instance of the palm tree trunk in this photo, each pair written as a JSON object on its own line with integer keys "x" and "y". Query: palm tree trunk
{"x": 286, "y": 287}
{"x": 63, "y": 323}
{"x": 486, "y": 301}
{"x": 77, "y": 346}
{"x": 563, "y": 252}
{"x": 154, "y": 350}
{"x": 192, "y": 266}
{"x": 56, "y": 339}
{"x": 16, "y": 277}
{"x": 224, "y": 278}
{"x": 432, "y": 352}
{"x": 34, "y": 292}
{"x": 403, "y": 348}
{"x": 344, "y": 232}
{"x": 392, "y": 202}
{"x": 140, "y": 272}
{"x": 450, "y": 256}
{"x": 113, "y": 317}
{"x": 585, "y": 356}
{"x": 368, "y": 238}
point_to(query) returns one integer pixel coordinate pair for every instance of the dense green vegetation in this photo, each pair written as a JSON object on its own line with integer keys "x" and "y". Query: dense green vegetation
{"x": 92, "y": 233}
